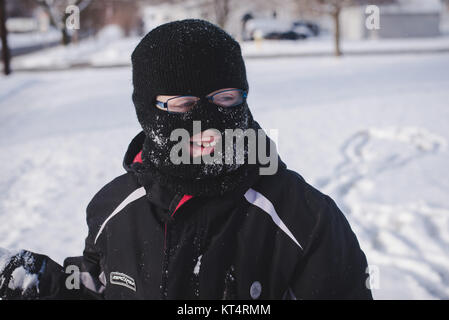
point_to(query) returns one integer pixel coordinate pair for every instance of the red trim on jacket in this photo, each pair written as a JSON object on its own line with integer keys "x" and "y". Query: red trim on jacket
{"x": 138, "y": 157}
{"x": 184, "y": 199}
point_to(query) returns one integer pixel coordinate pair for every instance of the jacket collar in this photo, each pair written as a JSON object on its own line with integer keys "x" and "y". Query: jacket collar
{"x": 162, "y": 196}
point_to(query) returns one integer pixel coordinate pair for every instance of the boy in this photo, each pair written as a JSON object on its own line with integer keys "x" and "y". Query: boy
{"x": 215, "y": 229}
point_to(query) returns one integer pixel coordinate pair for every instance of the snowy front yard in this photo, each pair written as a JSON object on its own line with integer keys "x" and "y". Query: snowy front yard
{"x": 372, "y": 132}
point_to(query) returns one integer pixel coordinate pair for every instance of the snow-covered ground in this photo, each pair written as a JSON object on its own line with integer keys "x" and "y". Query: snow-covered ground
{"x": 324, "y": 45}
{"x": 370, "y": 131}
{"x": 109, "y": 48}
{"x": 30, "y": 39}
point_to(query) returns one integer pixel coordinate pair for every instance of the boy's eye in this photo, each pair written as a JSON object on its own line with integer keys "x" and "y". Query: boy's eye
{"x": 181, "y": 104}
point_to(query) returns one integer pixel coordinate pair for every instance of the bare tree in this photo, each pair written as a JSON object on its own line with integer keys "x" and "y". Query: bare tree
{"x": 218, "y": 11}
{"x": 334, "y": 8}
{"x": 56, "y": 11}
{"x": 6, "y": 56}
{"x": 222, "y": 9}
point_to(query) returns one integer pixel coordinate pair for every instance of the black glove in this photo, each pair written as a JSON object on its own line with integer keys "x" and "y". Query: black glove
{"x": 19, "y": 274}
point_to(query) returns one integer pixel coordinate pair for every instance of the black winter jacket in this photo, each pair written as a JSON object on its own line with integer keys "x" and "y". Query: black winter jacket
{"x": 278, "y": 239}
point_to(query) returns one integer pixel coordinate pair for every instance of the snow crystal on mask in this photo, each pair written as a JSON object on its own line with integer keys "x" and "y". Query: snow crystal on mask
{"x": 196, "y": 270}
{"x": 157, "y": 137}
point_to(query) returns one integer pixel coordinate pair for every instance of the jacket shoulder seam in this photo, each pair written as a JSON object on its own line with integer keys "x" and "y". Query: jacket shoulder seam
{"x": 133, "y": 196}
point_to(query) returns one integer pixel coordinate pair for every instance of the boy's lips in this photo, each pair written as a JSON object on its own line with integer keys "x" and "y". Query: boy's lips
{"x": 203, "y": 143}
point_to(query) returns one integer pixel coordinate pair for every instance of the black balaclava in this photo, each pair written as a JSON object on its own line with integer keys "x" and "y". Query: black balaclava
{"x": 189, "y": 57}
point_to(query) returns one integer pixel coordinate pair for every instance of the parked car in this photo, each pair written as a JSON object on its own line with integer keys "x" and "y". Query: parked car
{"x": 308, "y": 25}
{"x": 271, "y": 28}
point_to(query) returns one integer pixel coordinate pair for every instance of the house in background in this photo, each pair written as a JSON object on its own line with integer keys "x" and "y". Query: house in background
{"x": 157, "y": 14}
{"x": 402, "y": 19}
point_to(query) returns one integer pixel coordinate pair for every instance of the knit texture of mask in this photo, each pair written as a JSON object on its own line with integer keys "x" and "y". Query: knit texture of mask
{"x": 189, "y": 57}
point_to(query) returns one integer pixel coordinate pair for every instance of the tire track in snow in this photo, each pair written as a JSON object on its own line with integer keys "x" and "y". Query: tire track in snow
{"x": 414, "y": 230}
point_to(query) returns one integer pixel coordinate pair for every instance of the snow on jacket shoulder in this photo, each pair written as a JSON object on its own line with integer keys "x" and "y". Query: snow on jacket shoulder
{"x": 278, "y": 239}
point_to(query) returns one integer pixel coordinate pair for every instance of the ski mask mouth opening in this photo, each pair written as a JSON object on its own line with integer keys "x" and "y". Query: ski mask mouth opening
{"x": 188, "y": 57}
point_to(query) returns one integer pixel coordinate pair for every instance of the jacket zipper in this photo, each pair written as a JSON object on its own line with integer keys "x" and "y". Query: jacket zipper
{"x": 164, "y": 281}
{"x": 165, "y": 263}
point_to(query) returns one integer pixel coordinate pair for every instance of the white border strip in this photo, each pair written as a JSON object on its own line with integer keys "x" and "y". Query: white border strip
{"x": 136, "y": 194}
{"x": 259, "y": 200}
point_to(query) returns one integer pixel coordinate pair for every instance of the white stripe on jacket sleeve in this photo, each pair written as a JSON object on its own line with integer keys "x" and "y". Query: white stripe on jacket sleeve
{"x": 259, "y": 200}
{"x": 136, "y": 194}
